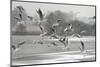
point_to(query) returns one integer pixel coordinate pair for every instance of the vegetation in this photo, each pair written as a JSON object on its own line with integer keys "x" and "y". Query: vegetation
{"x": 19, "y": 14}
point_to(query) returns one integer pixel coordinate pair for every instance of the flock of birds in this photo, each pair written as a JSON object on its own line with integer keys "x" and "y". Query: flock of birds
{"x": 63, "y": 40}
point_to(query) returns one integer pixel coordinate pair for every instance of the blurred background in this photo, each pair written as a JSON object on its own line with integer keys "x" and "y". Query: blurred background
{"x": 81, "y": 17}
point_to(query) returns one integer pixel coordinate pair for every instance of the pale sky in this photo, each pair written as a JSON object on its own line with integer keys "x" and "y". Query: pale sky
{"x": 83, "y": 11}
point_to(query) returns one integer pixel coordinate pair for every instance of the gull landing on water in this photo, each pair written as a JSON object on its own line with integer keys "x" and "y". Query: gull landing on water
{"x": 69, "y": 29}
{"x": 18, "y": 45}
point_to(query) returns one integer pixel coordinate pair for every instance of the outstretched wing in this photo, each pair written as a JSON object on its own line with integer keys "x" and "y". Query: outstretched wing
{"x": 39, "y": 11}
{"x": 83, "y": 46}
{"x": 20, "y": 8}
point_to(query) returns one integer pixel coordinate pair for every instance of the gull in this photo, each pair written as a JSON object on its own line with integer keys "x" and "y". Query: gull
{"x": 18, "y": 45}
{"x": 70, "y": 29}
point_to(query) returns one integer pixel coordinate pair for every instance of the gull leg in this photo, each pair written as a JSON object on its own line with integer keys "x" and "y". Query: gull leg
{"x": 66, "y": 42}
